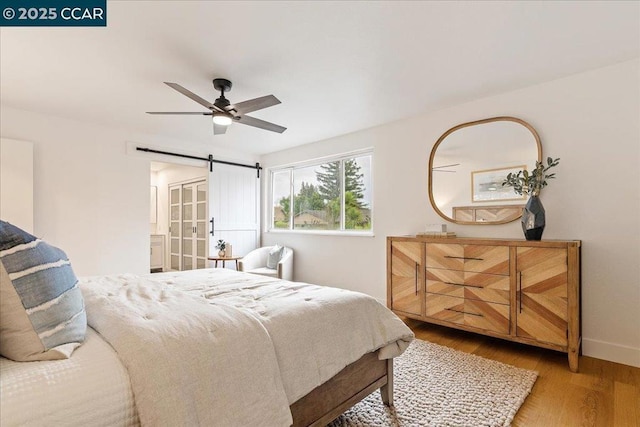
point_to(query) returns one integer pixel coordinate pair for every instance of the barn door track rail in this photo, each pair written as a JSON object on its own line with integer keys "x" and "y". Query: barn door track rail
{"x": 209, "y": 159}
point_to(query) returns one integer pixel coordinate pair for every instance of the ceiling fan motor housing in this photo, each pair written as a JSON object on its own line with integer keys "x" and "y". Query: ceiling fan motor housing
{"x": 222, "y": 102}
{"x": 223, "y": 85}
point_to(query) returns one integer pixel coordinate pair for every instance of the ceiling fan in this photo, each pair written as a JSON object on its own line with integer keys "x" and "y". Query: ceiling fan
{"x": 224, "y": 113}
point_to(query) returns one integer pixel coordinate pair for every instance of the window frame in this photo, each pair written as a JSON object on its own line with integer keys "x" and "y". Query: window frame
{"x": 291, "y": 167}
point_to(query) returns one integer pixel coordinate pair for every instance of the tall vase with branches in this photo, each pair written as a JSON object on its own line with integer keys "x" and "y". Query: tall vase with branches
{"x": 530, "y": 184}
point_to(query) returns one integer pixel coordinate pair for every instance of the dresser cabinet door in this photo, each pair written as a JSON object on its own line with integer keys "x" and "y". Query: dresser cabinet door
{"x": 542, "y": 294}
{"x": 406, "y": 278}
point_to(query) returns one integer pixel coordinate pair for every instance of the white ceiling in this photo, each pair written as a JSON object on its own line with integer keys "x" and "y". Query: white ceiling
{"x": 337, "y": 67}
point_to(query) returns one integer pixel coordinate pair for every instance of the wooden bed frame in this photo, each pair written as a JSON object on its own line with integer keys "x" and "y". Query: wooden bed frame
{"x": 355, "y": 382}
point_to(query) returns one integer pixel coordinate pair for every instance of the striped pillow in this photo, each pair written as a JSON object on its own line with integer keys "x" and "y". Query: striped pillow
{"x": 42, "y": 313}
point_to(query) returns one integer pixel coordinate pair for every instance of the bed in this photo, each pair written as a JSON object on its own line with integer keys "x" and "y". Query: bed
{"x": 210, "y": 347}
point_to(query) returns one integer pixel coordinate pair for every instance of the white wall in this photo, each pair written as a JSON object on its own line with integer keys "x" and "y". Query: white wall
{"x": 590, "y": 120}
{"x": 91, "y": 197}
{"x": 16, "y": 183}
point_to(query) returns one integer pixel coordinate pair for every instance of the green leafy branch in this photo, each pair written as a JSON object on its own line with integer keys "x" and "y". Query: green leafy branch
{"x": 525, "y": 183}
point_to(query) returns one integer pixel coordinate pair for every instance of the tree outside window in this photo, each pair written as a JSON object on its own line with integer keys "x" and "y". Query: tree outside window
{"x": 335, "y": 195}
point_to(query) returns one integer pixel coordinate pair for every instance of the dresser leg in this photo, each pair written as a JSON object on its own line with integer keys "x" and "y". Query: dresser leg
{"x": 573, "y": 359}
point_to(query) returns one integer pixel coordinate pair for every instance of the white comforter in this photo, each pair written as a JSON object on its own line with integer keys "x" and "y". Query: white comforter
{"x": 188, "y": 364}
{"x": 264, "y": 344}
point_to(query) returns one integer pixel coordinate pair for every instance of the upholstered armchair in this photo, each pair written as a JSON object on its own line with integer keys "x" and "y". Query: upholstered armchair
{"x": 255, "y": 262}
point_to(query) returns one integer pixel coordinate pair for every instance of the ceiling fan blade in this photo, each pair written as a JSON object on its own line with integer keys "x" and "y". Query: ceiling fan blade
{"x": 179, "y": 112}
{"x": 188, "y": 93}
{"x": 446, "y": 166}
{"x": 252, "y": 121}
{"x": 219, "y": 129}
{"x": 255, "y": 104}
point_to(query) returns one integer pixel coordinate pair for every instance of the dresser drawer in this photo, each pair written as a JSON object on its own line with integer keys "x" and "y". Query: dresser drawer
{"x": 446, "y": 282}
{"x": 464, "y": 284}
{"x": 475, "y": 313}
{"x": 487, "y": 287}
{"x": 442, "y": 255}
{"x": 487, "y": 315}
{"x": 444, "y": 307}
{"x": 475, "y": 258}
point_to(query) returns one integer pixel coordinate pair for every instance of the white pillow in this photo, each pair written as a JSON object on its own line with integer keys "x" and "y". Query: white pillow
{"x": 275, "y": 255}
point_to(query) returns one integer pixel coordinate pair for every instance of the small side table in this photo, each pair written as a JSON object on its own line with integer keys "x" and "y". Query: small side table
{"x": 224, "y": 259}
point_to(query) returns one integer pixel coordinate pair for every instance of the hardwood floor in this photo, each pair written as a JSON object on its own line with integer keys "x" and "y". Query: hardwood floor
{"x": 602, "y": 393}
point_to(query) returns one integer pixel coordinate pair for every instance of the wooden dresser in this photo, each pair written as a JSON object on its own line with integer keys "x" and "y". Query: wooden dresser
{"x": 524, "y": 291}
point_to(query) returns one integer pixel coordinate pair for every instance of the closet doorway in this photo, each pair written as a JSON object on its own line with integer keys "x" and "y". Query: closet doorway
{"x": 194, "y": 208}
{"x": 180, "y": 229}
{"x": 188, "y": 239}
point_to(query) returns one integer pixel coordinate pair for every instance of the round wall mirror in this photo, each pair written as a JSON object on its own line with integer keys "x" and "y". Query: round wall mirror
{"x": 468, "y": 164}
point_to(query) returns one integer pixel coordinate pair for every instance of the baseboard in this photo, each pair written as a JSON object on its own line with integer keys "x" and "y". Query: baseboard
{"x": 611, "y": 352}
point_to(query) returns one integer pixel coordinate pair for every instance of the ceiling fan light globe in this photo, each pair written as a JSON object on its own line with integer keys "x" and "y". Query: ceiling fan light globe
{"x": 222, "y": 120}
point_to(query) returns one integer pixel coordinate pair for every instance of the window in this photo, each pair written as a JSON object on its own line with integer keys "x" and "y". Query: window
{"x": 333, "y": 195}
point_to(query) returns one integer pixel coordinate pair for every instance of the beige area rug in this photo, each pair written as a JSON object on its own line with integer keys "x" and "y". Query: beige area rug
{"x": 439, "y": 386}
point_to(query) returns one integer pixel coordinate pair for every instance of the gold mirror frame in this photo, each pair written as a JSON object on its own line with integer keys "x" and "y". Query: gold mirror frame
{"x": 461, "y": 126}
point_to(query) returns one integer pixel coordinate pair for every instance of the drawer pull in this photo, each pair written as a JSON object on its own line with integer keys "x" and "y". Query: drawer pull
{"x": 417, "y": 274}
{"x": 464, "y": 312}
{"x": 464, "y": 258}
{"x": 463, "y": 284}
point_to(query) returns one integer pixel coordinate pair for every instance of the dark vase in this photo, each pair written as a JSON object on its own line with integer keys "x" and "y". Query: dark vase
{"x": 533, "y": 220}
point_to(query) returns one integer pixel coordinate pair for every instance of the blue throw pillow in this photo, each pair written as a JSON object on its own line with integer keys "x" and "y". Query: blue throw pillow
{"x": 42, "y": 314}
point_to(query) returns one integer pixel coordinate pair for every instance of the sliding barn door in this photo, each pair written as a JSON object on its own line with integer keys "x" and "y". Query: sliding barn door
{"x": 234, "y": 194}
